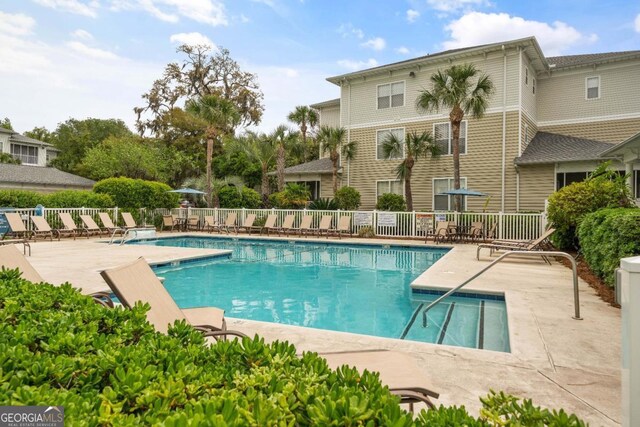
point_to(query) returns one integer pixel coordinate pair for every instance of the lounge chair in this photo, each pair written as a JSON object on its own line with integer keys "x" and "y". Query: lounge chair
{"x": 108, "y": 224}
{"x": 11, "y": 258}
{"x": 136, "y": 281}
{"x": 229, "y": 223}
{"x": 16, "y": 226}
{"x": 193, "y": 223}
{"x": 270, "y": 224}
{"x": 69, "y": 223}
{"x": 305, "y": 225}
{"x": 287, "y": 224}
{"x": 248, "y": 224}
{"x": 129, "y": 222}
{"x": 344, "y": 226}
{"x": 541, "y": 243}
{"x": 398, "y": 371}
{"x": 90, "y": 227}
{"x": 42, "y": 228}
{"x": 325, "y": 225}
{"x": 476, "y": 231}
{"x": 440, "y": 233}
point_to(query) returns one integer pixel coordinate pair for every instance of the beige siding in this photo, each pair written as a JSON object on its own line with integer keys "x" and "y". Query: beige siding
{"x": 527, "y": 96}
{"x": 607, "y": 131}
{"x": 330, "y": 117}
{"x": 537, "y": 182}
{"x": 481, "y": 165}
{"x": 562, "y": 96}
{"x": 363, "y": 92}
{"x": 529, "y": 129}
{"x": 326, "y": 185}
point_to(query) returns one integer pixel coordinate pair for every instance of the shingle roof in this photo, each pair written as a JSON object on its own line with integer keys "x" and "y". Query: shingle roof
{"x": 16, "y": 137}
{"x": 329, "y": 103}
{"x": 590, "y": 58}
{"x": 3, "y": 130}
{"x": 548, "y": 147}
{"x": 315, "y": 166}
{"x": 40, "y": 175}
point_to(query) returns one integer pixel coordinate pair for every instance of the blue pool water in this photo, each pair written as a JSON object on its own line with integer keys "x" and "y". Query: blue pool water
{"x": 349, "y": 288}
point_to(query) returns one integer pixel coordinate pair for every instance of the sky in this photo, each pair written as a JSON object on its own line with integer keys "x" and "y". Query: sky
{"x": 62, "y": 59}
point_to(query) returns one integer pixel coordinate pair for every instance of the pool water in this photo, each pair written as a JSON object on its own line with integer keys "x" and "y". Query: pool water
{"x": 349, "y": 288}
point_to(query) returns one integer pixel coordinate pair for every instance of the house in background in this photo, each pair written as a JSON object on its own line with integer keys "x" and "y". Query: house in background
{"x": 549, "y": 122}
{"x": 33, "y": 174}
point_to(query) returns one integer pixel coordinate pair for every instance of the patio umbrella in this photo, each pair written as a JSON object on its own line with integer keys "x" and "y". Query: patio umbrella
{"x": 186, "y": 191}
{"x": 462, "y": 192}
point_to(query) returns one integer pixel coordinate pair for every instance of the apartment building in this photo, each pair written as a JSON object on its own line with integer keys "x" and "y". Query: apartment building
{"x": 549, "y": 122}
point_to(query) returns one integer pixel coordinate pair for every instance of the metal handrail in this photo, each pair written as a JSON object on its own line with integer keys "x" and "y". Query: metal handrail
{"x": 576, "y": 296}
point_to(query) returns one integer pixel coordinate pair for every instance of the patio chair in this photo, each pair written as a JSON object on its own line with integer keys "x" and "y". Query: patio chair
{"x": 42, "y": 228}
{"x": 193, "y": 223}
{"x": 210, "y": 223}
{"x": 168, "y": 221}
{"x": 476, "y": 232}
{"x": 69, "y": 224}
{"x": 270, "y": 224}
{"x": 305, "y": 225}
{"x": 344, "y": 226}
{"x": 287, "y": 224}
{"x": 539, "y": 244}
{"x": 108, "y": 225}
{"x": 11, "y": 258}
{"x": 89, "y": 226}
{"x": 440, "y": 233}
{"x": 398, "y": 371}
{"x": 136, "y": 281}
{"x": 247, "y": 225}
{"x": 129, "y": 222}
{"x": 17, "y": 228}
{"x": 229, "y": 223}
{"x": 325, "y": 225}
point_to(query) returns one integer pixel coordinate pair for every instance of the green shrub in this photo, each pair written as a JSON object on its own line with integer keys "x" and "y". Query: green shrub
{"x": 323, "y": 205}
{"x": 366, "y": 232}
{"x": 608, "y": 235}
{"x": 20, "y": 199}
{"x": 78, "y": 199}
{"x": 347, "y": 198}
{"x": 567, "y": 206}
{"x": 294, "y": 196}
{"x": 231, "y": 198}
{"x": 109, "y": 367}
{"x": 391, "y": 202}
{"x": 128, "y": 193}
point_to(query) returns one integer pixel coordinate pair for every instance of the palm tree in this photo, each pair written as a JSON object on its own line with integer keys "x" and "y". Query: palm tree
{"x": 332, "y": 143}
{"x": 414, "y": 146}
{"x": 219, "y": 117}
{"x": 455, "y": 90}
{"x": 305, "y": 117}
{"x": 259, "y": 148}
{"x": 284, "y": 140}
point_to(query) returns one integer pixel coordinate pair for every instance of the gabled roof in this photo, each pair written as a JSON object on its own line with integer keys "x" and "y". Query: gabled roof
{"x": 569, "y": 61}
{"x": 315, "y": 166}
{"x": 633, "y": 142}
{"x": 24, "y": 174}
{"x": 16, "y": 137}
{"x": 325, "y": 104}
{"x": 3, "y": 130}
{"x": 546, "y": 147}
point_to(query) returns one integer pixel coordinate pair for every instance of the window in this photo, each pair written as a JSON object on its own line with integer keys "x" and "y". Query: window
{"x": 390, "y": 186}
{"x": 593, "y": 87}
{"x": 381, "y": 137}
{"x": 51, "y": 155}
{"x": 637, "y": 173}
{"x": 533, "y": 86}
{"x": 313, "y": 187}
{"x": 526, "y": 76}
{"x": 442, "y": 132}
{"x": 526, "y": 134}
{"x": 565, "y": 178}
{"x": 26, "y": 153}
{"x": 391, "y": 95}
{"x": 444, "y": 202}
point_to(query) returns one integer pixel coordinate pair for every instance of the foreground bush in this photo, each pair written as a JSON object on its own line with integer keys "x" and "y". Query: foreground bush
{"x": 567, "y": 206}
{"x": 294, "y": 196}
{"x": 59, "y": 199}
{"x": 109, "y": 367}
{"x": 347, "y": 198}
{"x": 128, "y": 193}
{"x": 608, "y": 235}
{"x": 232, "y": 198}
{"x": 391, "y": 202}
{"x": 20, "y": 199}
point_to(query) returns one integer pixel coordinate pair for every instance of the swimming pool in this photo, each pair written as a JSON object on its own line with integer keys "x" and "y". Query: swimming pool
{"x": 351, "y": 288}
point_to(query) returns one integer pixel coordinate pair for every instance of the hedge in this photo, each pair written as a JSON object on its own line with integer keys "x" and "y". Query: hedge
{"x": 608, "y": 235}
{"x": 231, "y": 198}
{"x": 347, "y": 198}
{"x": 109, "y": 367}
{"x": 128, "y": 193}
{"x": 60, "y": 199}
{"x": 391, "y": 202}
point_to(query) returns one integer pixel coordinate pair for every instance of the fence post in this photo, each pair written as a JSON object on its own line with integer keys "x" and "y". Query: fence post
{"x": 374, "y": 222}
{"x": 115, "y": 215}
{"x": 629, "y": 283}
{"x": 413, "y": 224}
{"x": 500, "y": 225}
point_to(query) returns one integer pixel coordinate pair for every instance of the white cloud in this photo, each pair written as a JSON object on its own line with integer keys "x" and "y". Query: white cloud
{"x": 376, "y": 43}
{"x": 244, "y": 19}
{"x": 347, "y": 30}
{"x": 91, "y": 52}
{"x": 448, "y": 6}
{"x": 192, "y": 39}
{"x": 78, "y": 7}
{"x": 211, "y": 12}
{"x": 352, "y": 65}
{"x": 81, "y": 34}
{"x": 476, "y": 28}
{"x": 412, "y": 15}
{"x": 637, "y": 23}
{"x": 16, "y": 24}
{"x": 402, "y": 50}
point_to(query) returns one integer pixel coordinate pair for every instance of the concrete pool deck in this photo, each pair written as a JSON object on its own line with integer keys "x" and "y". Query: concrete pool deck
{"x": 555, "y": 360}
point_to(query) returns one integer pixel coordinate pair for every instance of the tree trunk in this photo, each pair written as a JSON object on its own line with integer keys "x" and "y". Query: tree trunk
{"x": 334, "y": 161}
{"x": 408, "y": 195}
{"x": 303, "y": 131}
{"x": 280, "y": 163}
{"x": 209, "y": 159}
{"x": 264, "y": 185}
{"x": 456, "y": 118}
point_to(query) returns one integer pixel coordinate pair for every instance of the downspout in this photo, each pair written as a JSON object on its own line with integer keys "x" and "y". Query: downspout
{"x": 504, "y": 124}
{"x": 349, "y": 136}
{"x": 519, "y": 126}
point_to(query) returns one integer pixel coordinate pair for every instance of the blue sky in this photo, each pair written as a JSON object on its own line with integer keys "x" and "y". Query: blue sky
{"x": 94, "y": 58}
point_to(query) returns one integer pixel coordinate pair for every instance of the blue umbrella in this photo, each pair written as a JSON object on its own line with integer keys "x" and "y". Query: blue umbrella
{"x": 462, "y": 192}
{"x": 186, "y": 191}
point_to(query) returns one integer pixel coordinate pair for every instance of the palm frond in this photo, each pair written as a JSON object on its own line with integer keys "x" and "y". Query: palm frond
{"x": 392, "y": 146}
{"x": 402, "y": 170}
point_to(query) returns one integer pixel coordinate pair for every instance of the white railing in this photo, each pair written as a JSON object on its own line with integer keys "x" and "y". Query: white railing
{"x": 513, "y": 226}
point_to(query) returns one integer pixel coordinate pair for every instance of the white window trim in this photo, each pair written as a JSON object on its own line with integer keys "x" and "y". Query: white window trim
{"x": 404, "y": 133}
{"x": 526, "y": 76}
{"x": 20, "y": 157}
{"x": 533, "y": 86}
{"x": 404, "y": 94}
{"x": 433, "y": 192}
{"x": 586, "y": 88}
{"x": 401, "y": 181}
{"x": 466, "y": 145}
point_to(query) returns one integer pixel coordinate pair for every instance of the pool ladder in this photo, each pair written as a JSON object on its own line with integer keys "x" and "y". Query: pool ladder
{"x": 543, "y": 254}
